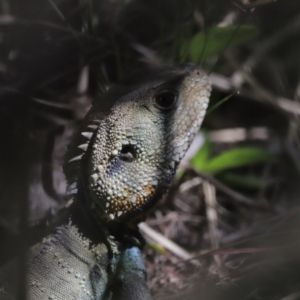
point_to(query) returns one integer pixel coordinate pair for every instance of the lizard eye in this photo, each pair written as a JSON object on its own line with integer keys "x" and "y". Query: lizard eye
{"x": 165, "y": 100}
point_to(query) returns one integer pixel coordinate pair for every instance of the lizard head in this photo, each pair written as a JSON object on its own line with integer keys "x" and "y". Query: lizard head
{"x": 134, "y": 137}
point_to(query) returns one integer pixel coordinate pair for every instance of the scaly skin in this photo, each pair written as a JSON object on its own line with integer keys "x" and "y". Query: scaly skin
{"x": 119, "y": 165}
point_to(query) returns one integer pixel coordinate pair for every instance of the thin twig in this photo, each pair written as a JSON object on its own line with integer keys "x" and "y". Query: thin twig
{"x": 235, "y": 196}
{"x": 260, "y": 93}
{"x": 285, "y": 104}
{"x": 212, "y": 219}
{"x": 166, "y": 243}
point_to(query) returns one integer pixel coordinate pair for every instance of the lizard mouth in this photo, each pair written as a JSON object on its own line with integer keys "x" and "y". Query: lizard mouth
{"x": 128, "y": 153}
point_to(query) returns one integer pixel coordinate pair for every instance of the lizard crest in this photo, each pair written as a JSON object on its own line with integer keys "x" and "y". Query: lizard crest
{"x": 133, "y": 138}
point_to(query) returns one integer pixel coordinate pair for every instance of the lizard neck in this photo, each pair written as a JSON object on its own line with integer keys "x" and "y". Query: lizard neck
{"x": 93, "y": 225}
{"x": 97, "y": 230}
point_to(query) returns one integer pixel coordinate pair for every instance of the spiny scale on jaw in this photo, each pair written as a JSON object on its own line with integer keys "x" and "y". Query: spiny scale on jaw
{"x": 136, "y": 144}
{"x": 88, "y": 135}
{"x": 76, "y": 158}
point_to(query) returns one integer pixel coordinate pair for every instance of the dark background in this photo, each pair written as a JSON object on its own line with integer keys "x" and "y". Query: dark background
{"x": 57, "y": 56}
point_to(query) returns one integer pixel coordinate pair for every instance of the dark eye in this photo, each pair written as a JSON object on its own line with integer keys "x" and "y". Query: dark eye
{"x": 165, "y": 100}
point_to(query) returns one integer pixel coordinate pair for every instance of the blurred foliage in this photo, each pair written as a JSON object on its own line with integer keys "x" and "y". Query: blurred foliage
{"x": 223, "y": 164}
{"x": 157, "y": 248}
{"x": 215, "y": 41}
{"x": 233, "y": 158}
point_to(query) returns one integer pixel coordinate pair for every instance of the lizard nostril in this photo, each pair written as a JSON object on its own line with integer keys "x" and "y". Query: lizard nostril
{"x": 128, "y": 153}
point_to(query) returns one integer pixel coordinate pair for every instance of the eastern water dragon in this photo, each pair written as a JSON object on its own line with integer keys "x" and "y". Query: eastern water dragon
{"x": 118, "y": 165}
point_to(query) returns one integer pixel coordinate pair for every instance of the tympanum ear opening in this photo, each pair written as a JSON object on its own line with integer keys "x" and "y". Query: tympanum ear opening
{"x": 128, "y": 153}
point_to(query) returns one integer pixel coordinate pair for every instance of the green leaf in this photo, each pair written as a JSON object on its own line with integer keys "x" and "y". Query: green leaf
{"x": 236, "y": 181}
{"x": 214, "y": 41}
{"x": 238, "y": 157}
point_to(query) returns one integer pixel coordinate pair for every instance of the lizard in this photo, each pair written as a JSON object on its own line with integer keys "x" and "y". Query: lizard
{"x": 119, "y": 164}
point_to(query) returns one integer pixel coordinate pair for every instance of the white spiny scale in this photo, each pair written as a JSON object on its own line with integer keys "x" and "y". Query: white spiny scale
{"x": 100, "y": 168}
{"x": 72, "y": 185}
{"x": 172, "y": 164}
{"x": 83, "y": 147}
{"x": 151, "y": 152}
{"x": 76, "y": 158}
{"x": 145, "y": 194}
{"x": 94, "y": 177}
{"x": 114, "y": 152}
{"x": 86, "y": 134}
{"x": 94, "y": 127}
{"x": 176, "y": 158}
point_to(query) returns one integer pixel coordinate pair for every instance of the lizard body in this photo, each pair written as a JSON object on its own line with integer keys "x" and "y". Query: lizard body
{"x": 69, "y": 266}
{"x": 119, "y": 164}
